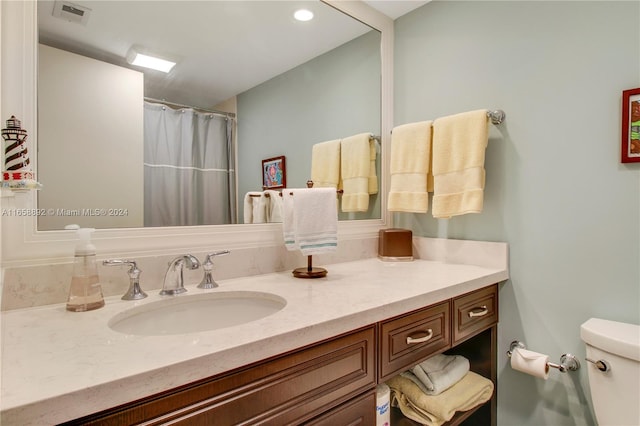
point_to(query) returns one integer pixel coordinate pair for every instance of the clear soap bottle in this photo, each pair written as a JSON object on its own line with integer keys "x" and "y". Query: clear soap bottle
{"x": 85, "y": 293}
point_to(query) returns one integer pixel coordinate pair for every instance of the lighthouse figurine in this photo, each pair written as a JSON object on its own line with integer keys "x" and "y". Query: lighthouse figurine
{"x": 17, "y": 174}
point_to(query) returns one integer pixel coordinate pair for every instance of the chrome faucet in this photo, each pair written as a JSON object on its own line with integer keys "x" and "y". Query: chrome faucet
{"x": 208, "y": 281}
{"x": 134, "y": 292}
{"x": 173, "y": 279}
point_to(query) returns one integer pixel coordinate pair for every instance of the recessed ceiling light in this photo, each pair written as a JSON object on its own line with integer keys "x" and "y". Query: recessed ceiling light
{"x": 142, "y": 60}
{"x": 303, "y": 15}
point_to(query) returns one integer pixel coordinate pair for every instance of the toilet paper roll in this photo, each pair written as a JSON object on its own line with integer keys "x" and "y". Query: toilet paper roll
{"x": 383, "y": 415}
{"x": 530, "y": 362}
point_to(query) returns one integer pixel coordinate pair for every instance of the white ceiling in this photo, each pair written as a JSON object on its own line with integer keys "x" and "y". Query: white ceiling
{"x": 223, "y": 48}
{"x": 396, "y": 8}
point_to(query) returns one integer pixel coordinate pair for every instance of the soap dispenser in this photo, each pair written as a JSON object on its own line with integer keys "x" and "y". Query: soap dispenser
{"x": 85, "y": 293}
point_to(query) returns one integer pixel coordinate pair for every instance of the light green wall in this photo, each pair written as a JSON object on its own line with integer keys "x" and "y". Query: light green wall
{"x": 330, "y": 97}
{"x": 555, "y": 190}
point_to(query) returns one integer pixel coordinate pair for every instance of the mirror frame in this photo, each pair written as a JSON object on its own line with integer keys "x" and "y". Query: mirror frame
{"x": 22, "y": 243}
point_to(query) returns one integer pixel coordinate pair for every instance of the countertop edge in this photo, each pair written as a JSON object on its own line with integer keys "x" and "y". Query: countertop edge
{"x": 86, "y": 401}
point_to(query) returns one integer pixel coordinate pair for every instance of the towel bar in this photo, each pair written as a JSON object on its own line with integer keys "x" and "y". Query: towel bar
{"x": 497, "y": 116}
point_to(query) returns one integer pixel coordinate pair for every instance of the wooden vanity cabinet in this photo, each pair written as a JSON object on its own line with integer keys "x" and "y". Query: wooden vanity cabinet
{"x": 332, "y": 383}
{"x": 473, "y": 326}
{"x": 288, "y": 389}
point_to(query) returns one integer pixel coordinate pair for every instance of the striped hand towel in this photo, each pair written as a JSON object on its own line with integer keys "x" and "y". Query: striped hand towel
{"x": 310, "y": 220}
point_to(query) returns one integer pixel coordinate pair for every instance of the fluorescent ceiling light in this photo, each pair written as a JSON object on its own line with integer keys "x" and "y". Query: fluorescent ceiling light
{"x": 303, "y": 15}
{"x": 147, "y": 61}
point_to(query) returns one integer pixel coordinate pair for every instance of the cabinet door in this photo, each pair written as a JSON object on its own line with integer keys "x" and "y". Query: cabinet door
{"x": 289, "y": 389}
{"x": 409, "y": 339}
{"x": 359, "y": 411}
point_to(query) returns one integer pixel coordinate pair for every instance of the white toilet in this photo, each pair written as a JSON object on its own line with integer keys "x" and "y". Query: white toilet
{"x": 613, "y": 352}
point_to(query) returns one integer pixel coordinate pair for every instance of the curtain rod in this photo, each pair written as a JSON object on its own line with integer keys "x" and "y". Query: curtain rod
{"x": 210, "y": 111}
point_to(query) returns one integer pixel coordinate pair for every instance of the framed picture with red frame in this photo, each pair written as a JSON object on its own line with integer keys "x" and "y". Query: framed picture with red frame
{"x": 274, "y": 173}
{"x": 631, "y": 126}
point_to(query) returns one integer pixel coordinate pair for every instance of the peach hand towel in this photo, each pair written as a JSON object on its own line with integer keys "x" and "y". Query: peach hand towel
{"x": 459, "y": 145}
{"x": 409, "y": 166}
{"x": 325, "y": 164}
{"x": 373, "y": 177}
{"x": 472, "y": 390}
{"x": 355, "y": 168}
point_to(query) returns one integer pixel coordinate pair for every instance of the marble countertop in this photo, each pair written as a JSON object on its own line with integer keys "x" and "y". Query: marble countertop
{"x": 59, "y": 365}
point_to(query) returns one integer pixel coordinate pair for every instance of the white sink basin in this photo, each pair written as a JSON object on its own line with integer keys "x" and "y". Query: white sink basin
{"x": 198, "y": 312}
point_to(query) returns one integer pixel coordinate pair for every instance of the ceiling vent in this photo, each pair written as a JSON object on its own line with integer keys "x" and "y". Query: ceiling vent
{"x": 71, "y": 12}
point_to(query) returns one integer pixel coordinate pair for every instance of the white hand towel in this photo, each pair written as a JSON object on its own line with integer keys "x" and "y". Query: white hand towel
{"x": 274, "y": 207}
{"x": 310, "y": 220}
{"x": 409, "y": 166}
{"x": 260, "y": 208}
{"x": 355, "y": 169}
{"x": 459, "y": 145}
{"x": 325, "y": 164}
{"x": 250, "y": 198}
{"x": 288, "y": 223}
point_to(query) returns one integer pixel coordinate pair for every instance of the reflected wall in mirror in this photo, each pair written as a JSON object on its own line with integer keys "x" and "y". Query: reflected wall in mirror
{"x": 281, "y": 87}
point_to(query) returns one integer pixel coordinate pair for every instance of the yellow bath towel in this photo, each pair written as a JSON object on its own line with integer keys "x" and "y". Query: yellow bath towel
{"x": 434, "y": 410}
{"x": 355, "y": 169}
{"x": 409, "y": 166}
{"x": 459, "y": 145}
{"x": 325, "y": 164}
{"x": 373, "y": 177}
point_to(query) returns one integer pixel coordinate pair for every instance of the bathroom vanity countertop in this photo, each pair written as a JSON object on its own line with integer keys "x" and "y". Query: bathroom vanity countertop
{"x": 59, "y": 365}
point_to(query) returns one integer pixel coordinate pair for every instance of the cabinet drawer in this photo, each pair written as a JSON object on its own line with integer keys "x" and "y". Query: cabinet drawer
{"x": 407, "y": 340}
{"x": 474, "y": 312}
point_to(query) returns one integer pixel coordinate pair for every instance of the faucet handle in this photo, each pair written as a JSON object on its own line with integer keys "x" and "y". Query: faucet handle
{"x": 207, "y": 281}
{"x": 134, "y": 292}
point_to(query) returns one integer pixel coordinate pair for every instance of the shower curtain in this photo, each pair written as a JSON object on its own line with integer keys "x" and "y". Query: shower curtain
{"x": 189, "y": 176}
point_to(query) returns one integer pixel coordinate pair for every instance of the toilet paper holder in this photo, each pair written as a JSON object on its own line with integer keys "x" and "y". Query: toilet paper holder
{"x": 568, "y": 362}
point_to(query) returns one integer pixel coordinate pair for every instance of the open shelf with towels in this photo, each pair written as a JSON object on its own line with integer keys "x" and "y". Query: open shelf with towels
{"x": 481, "y": 353}
{"x": 465, "y": 326}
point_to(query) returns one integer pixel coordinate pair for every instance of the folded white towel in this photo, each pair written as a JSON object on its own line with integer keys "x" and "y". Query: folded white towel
{"x": 254, "y": 207}
{"x": 459, "y": 145}
{"x": 310, "y": 220}
{"x": 325, "y": 164}
{"x": 355, "y": 170}
{"x": 409, "y": 166}
{"x": 274, "y": 206}
{"x": 438, "y": 373}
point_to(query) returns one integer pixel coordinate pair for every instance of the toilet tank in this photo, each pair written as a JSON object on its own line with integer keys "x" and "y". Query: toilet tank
{"x": 615, "y": 393}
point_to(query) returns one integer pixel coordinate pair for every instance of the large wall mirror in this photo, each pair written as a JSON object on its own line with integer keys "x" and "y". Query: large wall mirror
{"x": 24, "y": 241}
{"x": 122, "y": 146}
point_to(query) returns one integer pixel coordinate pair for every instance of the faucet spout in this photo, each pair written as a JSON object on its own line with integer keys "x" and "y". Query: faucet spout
{"x": 173, "y": 279}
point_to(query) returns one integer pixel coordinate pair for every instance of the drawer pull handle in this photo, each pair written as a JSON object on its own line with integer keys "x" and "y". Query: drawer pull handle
{"x": 423, "y": 339}
{"x": 482, "y": 312}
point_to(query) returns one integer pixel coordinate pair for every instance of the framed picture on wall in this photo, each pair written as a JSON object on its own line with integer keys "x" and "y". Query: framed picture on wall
{"x": 631, "y": 126}
{"x": 274, "y": 173}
